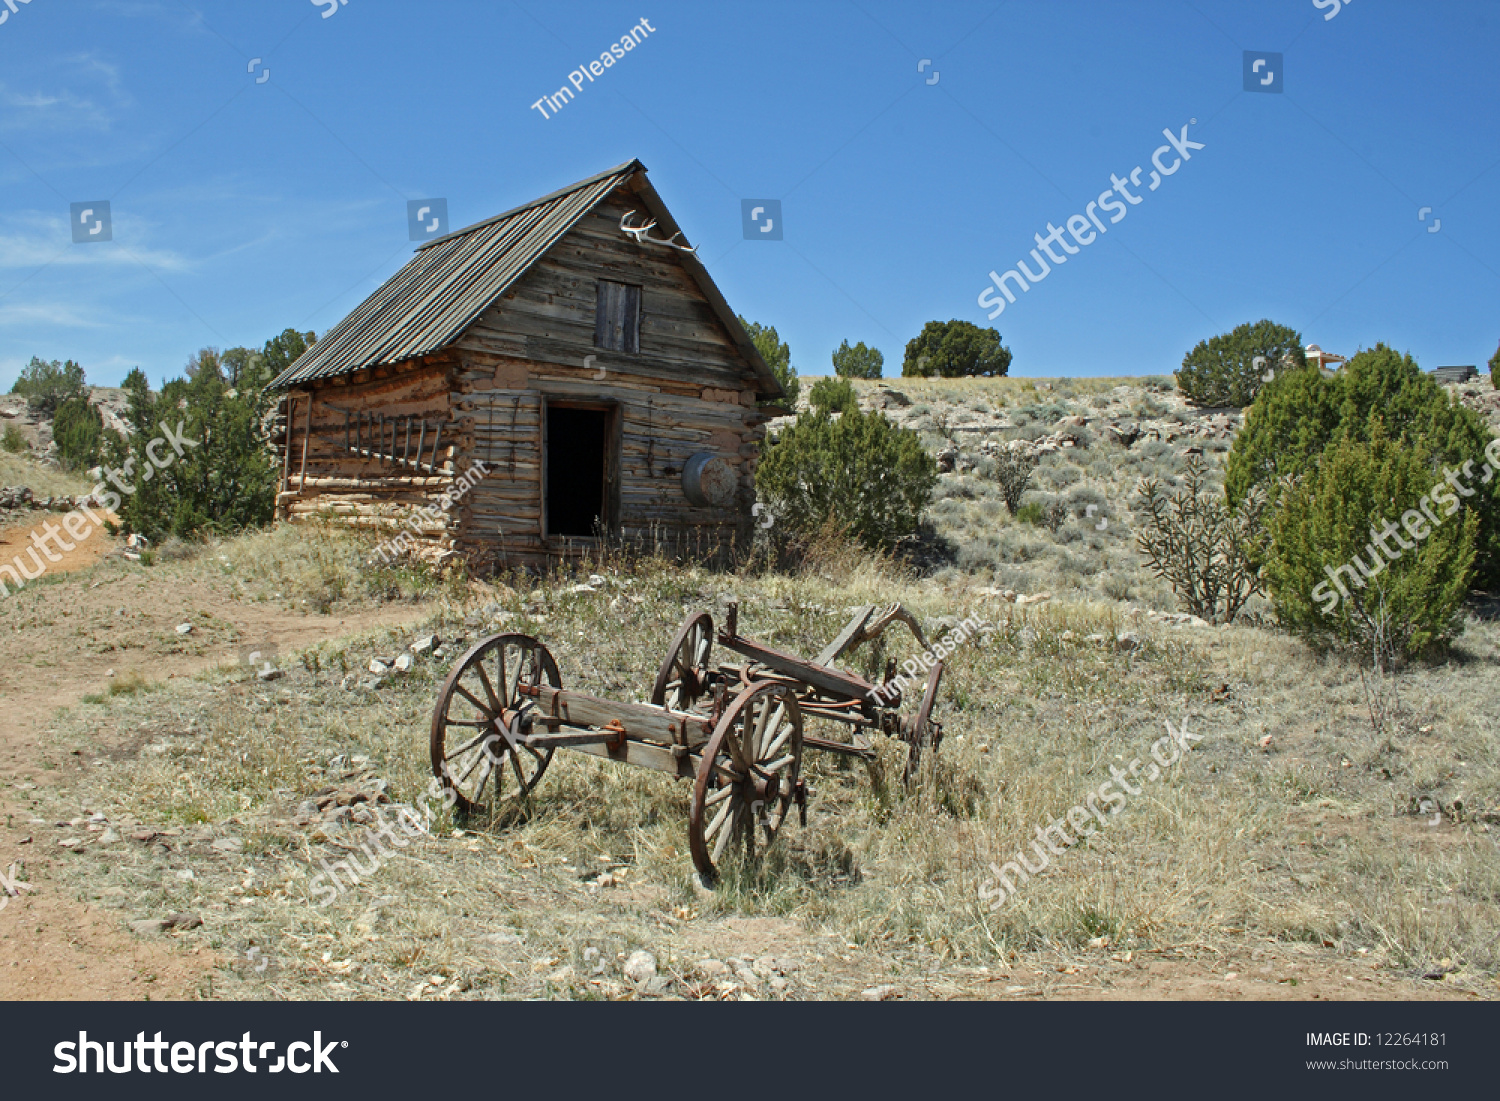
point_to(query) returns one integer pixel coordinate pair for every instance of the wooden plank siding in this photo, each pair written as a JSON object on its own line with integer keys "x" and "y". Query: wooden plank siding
{"x": 688, "y": 389}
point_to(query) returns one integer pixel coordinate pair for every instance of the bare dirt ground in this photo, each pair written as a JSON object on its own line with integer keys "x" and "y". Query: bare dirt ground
{"x": 73, "y": 631}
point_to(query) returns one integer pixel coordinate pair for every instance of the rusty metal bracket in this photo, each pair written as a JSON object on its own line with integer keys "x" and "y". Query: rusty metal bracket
{"x": 617, "y": 728}
{"x": 799, "y": 796}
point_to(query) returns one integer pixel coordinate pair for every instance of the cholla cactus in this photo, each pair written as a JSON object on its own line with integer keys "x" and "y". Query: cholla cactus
{"x": 1204, "y": 550}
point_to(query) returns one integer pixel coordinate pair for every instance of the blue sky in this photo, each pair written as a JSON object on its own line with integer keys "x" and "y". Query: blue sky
{"x": 240, "y": 207}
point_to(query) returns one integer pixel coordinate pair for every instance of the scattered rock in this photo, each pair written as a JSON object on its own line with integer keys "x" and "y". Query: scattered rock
{"x": 269, "y": 674}
{"x": 879, "y": 993}
{"x": 1127, "y": 640}
{"x": 424, "y": 645}
{"x": 151, "y": 926}
{"x": 378, "y": 667}
{"x": 404, "y": 663}
{"x": 712, "y": 968}
{"x": 500, "y": 939}
{"x": 640, "y": 968}
{"x": 184, "y": 629}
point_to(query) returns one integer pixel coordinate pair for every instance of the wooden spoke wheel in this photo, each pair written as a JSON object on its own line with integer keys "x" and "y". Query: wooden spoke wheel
{"x": 748, "y": 780}
{"x": 683, "y": 678}
{"x": 479, "y": 698}
{"x": 921, "y": 730}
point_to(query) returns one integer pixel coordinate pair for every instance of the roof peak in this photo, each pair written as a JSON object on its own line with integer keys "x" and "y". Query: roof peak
{"x": 633, "y": 165}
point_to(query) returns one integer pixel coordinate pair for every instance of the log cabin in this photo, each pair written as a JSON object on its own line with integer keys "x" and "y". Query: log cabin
{"x": 561, "y": 373}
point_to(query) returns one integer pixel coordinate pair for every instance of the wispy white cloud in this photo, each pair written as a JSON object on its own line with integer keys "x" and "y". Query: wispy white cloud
{"x": 34, "y": 239}
{"x": 48, "y": 313}
{"x": 79, "y": 92}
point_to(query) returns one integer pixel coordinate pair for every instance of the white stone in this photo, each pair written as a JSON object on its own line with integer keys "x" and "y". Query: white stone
{"x": 640, "y": 968}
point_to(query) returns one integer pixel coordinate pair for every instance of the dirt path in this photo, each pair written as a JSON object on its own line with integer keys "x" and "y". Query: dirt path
{"x": 15, "y": 540}
{"x": 58, "y": 640}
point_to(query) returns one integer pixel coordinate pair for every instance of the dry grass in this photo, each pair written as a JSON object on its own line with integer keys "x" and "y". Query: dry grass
{"x": 317, "y": 566}
{"x": 1311, "y": 841}
{"x": 44, "y": 480}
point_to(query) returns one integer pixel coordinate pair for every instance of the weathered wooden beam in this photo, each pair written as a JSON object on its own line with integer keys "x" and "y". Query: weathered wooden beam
{"x": 855, "y": 625}
{"x": 306, "y": 439}
{"x": 286, "y": 462}
{"x": 643, "y": 754}
{"x": 640, "y": 721}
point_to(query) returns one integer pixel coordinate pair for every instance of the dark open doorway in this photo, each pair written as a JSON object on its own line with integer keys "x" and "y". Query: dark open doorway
{"x": 578, "y": 470}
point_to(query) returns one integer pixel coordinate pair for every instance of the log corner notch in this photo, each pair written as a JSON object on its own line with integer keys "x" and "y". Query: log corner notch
{"x": 296, "y": 403}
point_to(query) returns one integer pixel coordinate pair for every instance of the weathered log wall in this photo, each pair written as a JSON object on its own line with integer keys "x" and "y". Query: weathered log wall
{"x": 687, "y": 390}
{"x": 362, "y": 490}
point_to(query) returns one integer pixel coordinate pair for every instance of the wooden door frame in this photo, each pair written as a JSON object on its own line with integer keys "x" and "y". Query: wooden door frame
{"x": 613, "y": 460}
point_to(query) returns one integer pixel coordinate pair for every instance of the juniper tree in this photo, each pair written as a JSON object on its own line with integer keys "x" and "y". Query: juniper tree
{"x": 858, "y": 361}
{"x": 1230, "y": 369}
{"x": 859, "y": 470}
{"x": 778, "y": 356}
{"x": 1301, "y": 414}
{"x": 955, "y": 349}
{"x": 1353, "y": 559}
